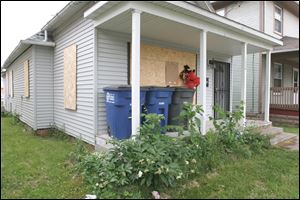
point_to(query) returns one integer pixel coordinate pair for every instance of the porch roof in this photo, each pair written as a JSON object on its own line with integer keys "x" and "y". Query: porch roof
{"x": 179, "y": 23}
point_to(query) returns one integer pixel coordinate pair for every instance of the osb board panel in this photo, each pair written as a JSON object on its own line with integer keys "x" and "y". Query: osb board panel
{"x": 171, "y": 71}
{"x": 152, "y": 72}
{"x": 26, "y": 78}
{"x": 153, "y": 64}
{"x": 70, "y": 70}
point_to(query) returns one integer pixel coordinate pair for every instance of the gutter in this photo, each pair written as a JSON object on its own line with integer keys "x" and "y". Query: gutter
{"x": 285, "y": 50}
{"x": 59, "y": 15}
{"x": 23, "y": 43}
{"x": 41, "y": 43}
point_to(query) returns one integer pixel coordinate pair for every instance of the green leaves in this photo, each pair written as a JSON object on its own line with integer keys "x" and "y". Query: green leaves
{"x": 154, "y": 159}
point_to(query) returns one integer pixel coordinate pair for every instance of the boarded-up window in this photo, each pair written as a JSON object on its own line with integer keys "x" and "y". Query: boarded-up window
{"x": 70, "y": 65}
{"x": 158, "y": 65}
{"x": 26, "y": 78}
{"x": 171, "y": 73}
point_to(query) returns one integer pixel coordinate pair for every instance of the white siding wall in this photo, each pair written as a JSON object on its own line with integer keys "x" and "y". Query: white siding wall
{"x": 24, "y": 106}
{"x": 210, "y": 76}
{"x": 290, "y": 24}
{"x": 112, "y": 65}
{"x": 252, "y": 82}
{"x": 287, "y": 75}
{"x": 78, "y": 123}
{"x": 245, "y": 12}
{"x": 44, "y": 86}
{"x": 112, "y": 68}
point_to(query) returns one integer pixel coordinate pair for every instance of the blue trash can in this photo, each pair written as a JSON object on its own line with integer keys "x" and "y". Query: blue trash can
{"x": 158, "y": 100}
{"x": 118, "y": 110}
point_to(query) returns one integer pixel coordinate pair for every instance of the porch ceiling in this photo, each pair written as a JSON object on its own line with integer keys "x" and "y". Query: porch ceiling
{"x": 287, "y": 57}
{"x": 161, "y": 29}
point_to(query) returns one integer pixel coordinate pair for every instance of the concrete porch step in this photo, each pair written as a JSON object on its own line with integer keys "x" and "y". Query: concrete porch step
{"x": 102, "y": 143}
{"x": 283, "y": 137}
{"x": 292, "y": 143}
{"x": 272, "y": 131}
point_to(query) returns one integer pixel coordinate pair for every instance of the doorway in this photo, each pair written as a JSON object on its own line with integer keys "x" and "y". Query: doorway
{"x": 221, "y": 86}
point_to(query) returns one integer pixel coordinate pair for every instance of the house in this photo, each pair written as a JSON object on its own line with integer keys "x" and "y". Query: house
{"x": 2, "y": 94}
{"x": 57, "y": 76}
{"x": 281, "y": 20}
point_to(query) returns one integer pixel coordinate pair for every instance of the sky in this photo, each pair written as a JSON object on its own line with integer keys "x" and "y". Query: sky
{"x": 22, "y": 19}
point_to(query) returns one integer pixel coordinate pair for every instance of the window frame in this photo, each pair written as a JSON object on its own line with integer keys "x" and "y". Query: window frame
{"x": 281, "y": 66}
{"x": 295, "y": 70}
{"x": 281, "y": 21}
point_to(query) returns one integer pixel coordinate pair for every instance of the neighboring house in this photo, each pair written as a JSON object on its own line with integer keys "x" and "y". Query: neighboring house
{"x": 281, "y": 20}
{"x": 57, "y": 76}
{"x": 2, "y": 94}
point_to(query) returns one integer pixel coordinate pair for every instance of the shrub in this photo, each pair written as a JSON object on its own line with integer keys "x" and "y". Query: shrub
{"x": 15, "y": 118}
{"x": 57, "y": 133}
{"x": 5, "y": 113}
{"x": 153, "y": 159}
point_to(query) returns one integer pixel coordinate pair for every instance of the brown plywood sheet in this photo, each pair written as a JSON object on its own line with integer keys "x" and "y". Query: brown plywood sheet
{"x": 70, "y": 79}
{"x": 154, "y": 61}
{"x": 26, "y": 78}
{"x": 171, "y": 73}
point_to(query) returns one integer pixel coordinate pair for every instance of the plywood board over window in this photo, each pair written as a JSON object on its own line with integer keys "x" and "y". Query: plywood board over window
{"x": 161, "y": 66}
{"x": 26, "y": 78}
{"x": 172, "y": 77}
{"x": 70, "y": 80}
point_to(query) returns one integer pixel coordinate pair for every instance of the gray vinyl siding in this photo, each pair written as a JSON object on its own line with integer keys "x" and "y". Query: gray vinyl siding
{"x": 78, "y": 123}
{"x": 245, "y": 12}
{"x": 112, "y": 64}
{"x": 24, "y": 106}
{"x": 44, "y": 86}
{"x": 287, "y": 75}
{"x": 252, "y": 82}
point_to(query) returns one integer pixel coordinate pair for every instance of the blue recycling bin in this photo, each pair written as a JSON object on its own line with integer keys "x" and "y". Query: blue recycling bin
{"x": 118, "y": 110}
{"x": 158, "y": 100}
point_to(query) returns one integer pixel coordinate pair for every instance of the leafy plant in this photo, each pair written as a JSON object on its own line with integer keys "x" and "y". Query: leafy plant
{"x": 58, "y": 133}
{"x": 190, "y": 117}
{"x": 15, "y": 118}
{"x": 155, "y": 160}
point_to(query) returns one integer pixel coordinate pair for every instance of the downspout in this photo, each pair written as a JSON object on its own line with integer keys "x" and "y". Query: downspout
{"x": 264, "y": 16}
{"x": 253, "y": 82}
{"x": 45, "y": 35}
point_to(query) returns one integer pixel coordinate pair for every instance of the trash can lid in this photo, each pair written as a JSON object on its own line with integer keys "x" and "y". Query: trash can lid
{"x": 155, "y": 88}
{"x": 183, "y": 89}
{"x": 122, "y": 88}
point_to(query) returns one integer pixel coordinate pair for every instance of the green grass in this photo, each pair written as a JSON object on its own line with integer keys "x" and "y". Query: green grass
{"x": 288, "y": 129}
{"x": 36, "y": 167}
{"x": 273, "y": 174}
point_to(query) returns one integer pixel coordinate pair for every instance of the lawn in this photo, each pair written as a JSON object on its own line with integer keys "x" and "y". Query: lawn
{"x": 273, "y": 174}
{"x": 289, "y": 129}
{"x": 36, "y": 167}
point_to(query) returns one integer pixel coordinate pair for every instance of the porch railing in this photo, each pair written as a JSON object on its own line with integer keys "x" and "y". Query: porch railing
{"x": 284, "y": 98}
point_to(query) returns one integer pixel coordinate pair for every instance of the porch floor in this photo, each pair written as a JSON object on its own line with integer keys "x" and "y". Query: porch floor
{"x": 102, "y": 145}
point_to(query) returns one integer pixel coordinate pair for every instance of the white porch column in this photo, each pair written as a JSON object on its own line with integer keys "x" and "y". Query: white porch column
{"x": 202, "y": 91}
{"x": 244, "y": 80}
{"x": 135, "y": 72}
{"x": 267, "y": 85}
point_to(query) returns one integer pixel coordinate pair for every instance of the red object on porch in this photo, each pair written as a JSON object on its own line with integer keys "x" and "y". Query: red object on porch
{"x": 192, "y": 81}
